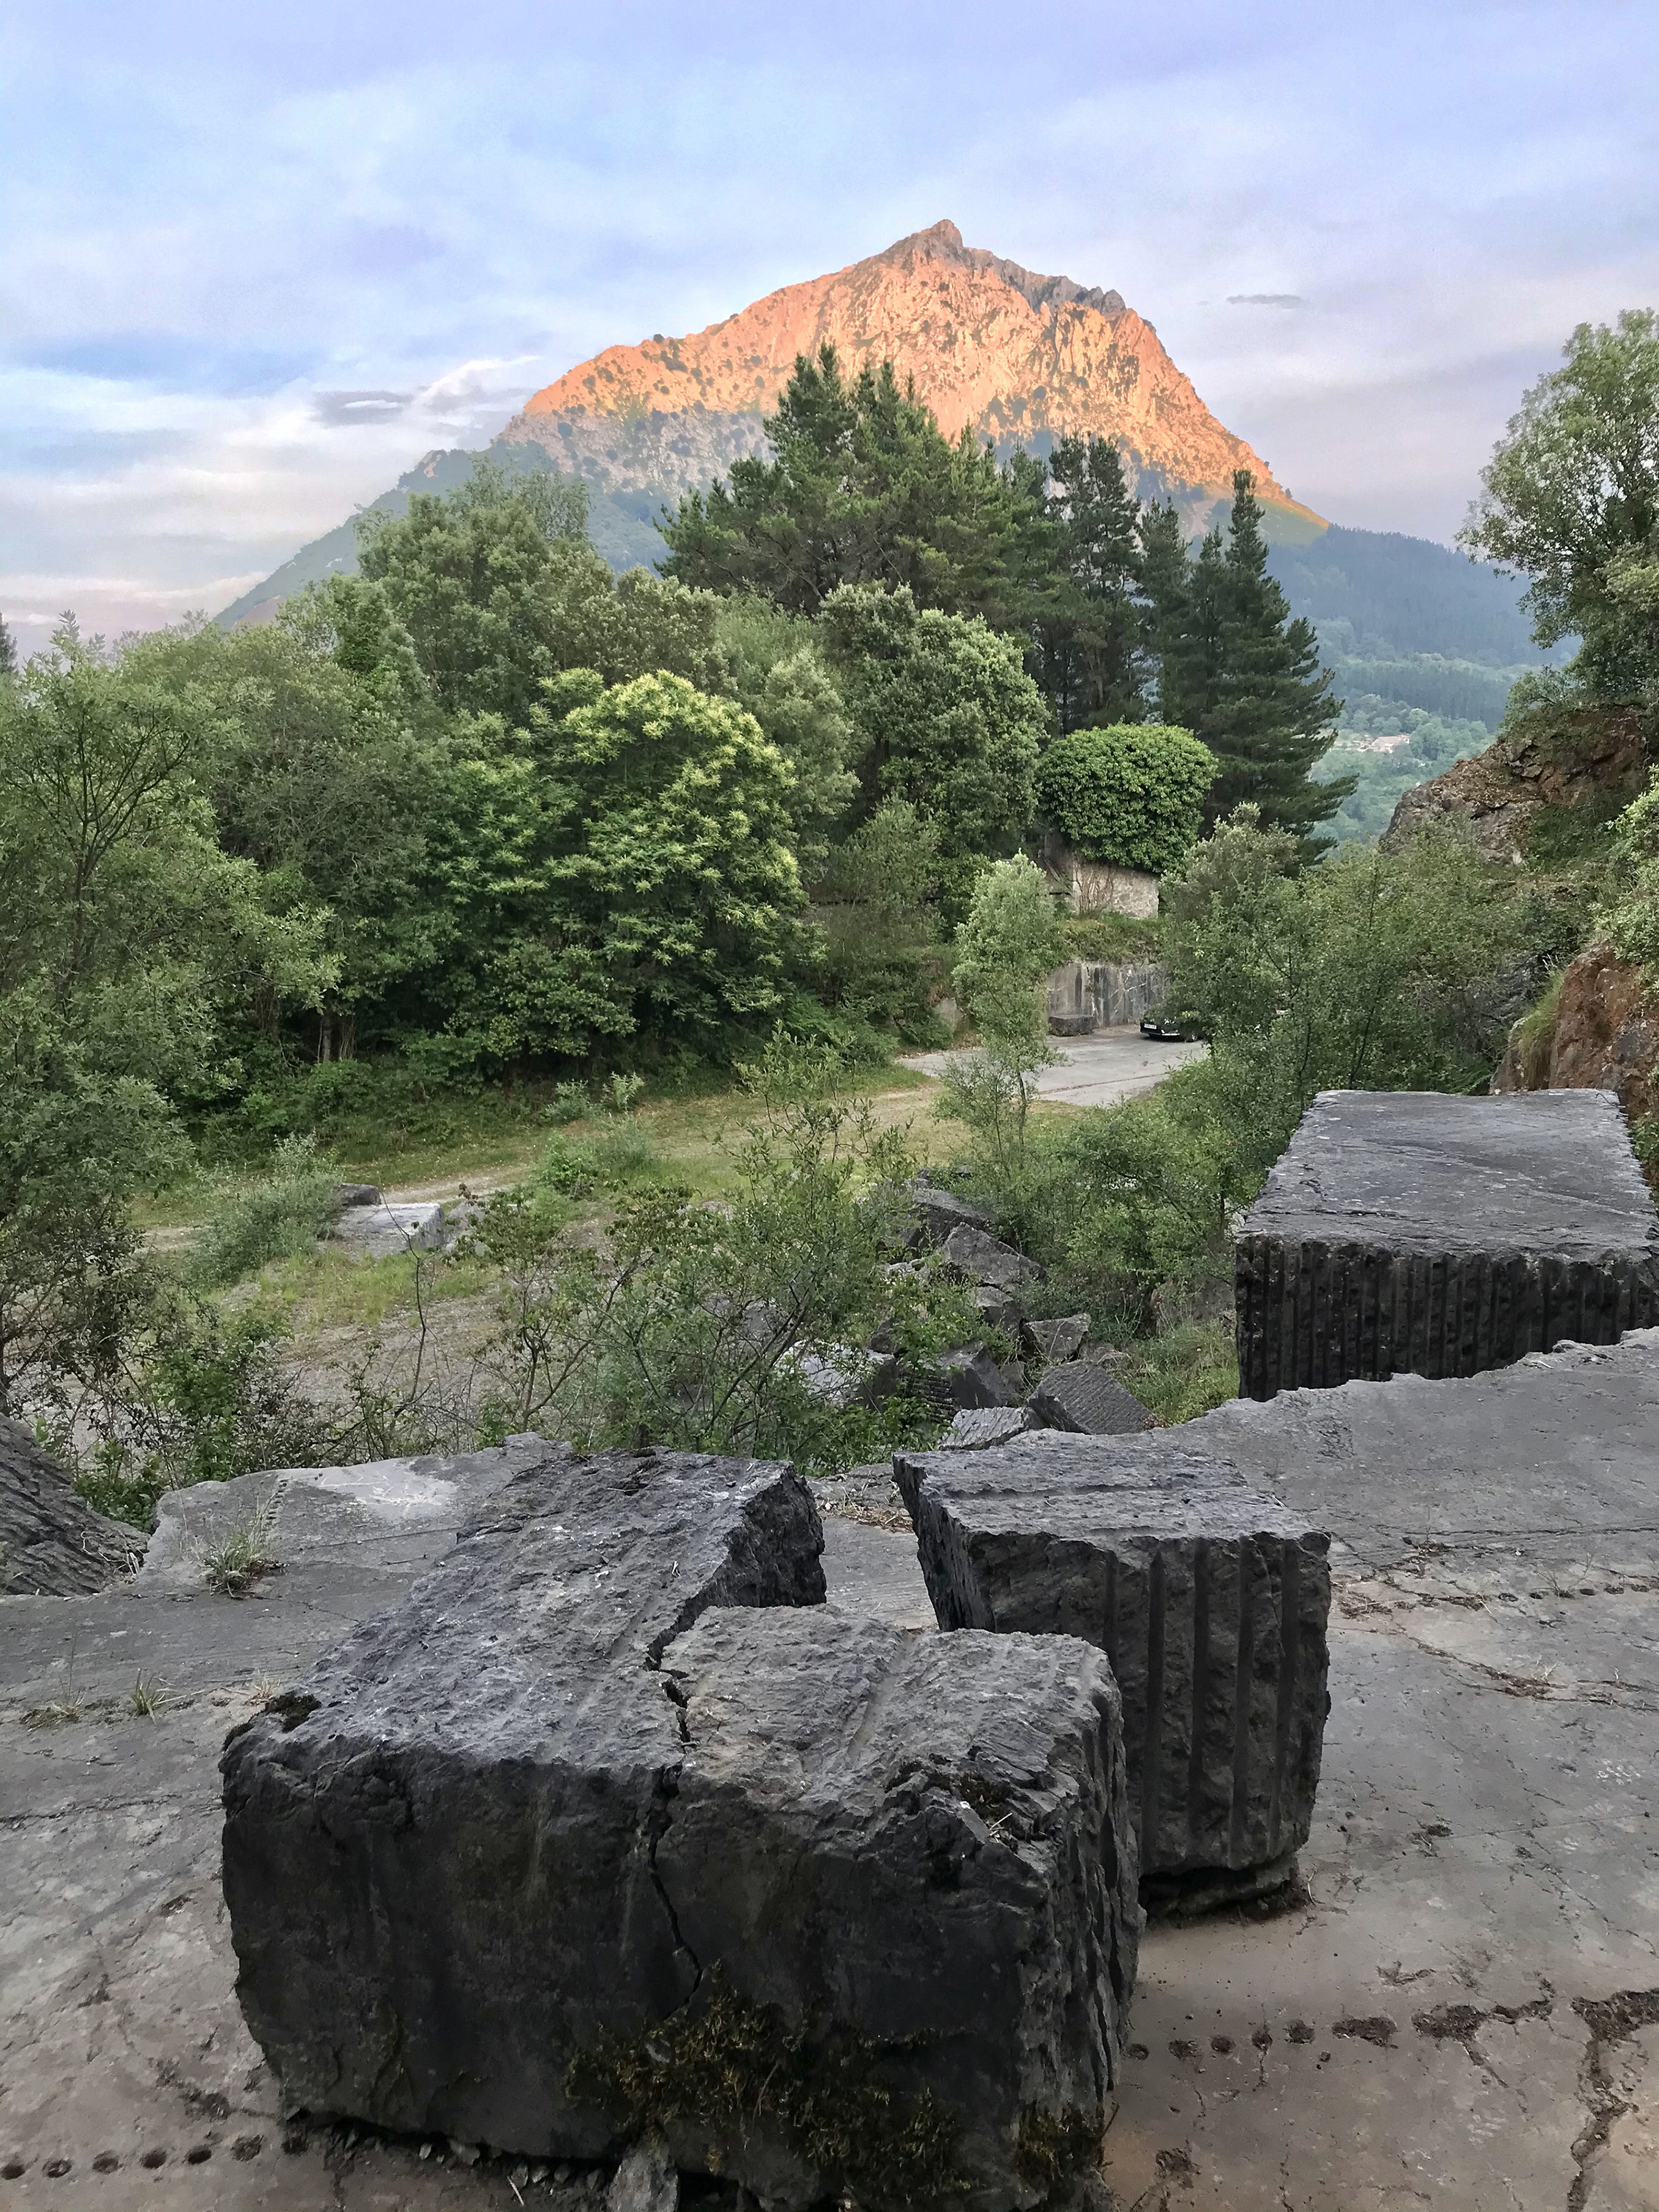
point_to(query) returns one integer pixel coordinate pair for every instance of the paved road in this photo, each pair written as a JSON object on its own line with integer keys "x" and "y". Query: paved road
{"x": 1093, "y": 1071}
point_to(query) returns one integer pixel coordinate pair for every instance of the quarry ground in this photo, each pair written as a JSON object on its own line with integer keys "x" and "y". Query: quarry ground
{"x": 1460, "y": 2008}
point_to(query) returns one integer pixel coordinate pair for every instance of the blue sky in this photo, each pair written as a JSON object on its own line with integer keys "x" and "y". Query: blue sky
{"x": 254, "y": 261}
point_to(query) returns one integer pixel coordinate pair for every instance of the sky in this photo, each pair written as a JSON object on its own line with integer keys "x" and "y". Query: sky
{"x": 255, "y": 261}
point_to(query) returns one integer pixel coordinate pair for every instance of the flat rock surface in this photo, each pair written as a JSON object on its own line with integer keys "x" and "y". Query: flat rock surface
{"x": 1482, "y": 1860}
{"x": 1416, "y": 1171}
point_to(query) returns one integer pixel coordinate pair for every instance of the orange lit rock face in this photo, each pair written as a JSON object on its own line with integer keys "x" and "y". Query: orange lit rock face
{"x": 988, "y": 344}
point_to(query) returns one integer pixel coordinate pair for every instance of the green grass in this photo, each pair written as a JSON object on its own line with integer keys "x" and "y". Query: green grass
{"x": 1190, "y": 1371}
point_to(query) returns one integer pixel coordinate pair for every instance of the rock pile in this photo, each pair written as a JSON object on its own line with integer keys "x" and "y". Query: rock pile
{"x": 611, "y": 1826}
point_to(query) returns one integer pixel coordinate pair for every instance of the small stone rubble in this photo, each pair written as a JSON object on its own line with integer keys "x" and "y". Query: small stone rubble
{"x": 1209, "y": 1600}
{"x": 611, "y": 1796}
{"x": 1406, "y": 1231}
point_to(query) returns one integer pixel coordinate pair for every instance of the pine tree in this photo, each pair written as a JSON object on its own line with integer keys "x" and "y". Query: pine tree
{"x": 1086, "y": 644}
{"x": 1252, "y": 685}
{"x": 1163, "y": 572}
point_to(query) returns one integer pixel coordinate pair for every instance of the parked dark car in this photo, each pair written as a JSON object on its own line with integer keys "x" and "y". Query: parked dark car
{"x": 1170, "y": 1027}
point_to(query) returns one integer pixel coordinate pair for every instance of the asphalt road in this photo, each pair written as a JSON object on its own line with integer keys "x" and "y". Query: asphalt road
{"x": 1092, "y": 1071}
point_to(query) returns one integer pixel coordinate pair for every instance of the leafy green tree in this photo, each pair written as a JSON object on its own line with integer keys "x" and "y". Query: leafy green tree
{"x": 1087, "y": 653}
{"x": 876, "y": 907}
{"x": 8, "y": 650}
{"x": 779, "y": 674}
{"x": 468, "y": 575}
{"x": 126, "y": 931}
{"x": 1571, "y": 499}
{"x": 1373, "y": 971}
{"x": 1133, "y": 796}
{"x": 945, "y": 714}
{"x": 621, "y": 863}
{"x": 863, "y": 488}
{"x": 327, "y": 765}
{"x": 1630, "y": 913}
{"x": 1005, "y": 947}
{"x": 1250, "y": 685}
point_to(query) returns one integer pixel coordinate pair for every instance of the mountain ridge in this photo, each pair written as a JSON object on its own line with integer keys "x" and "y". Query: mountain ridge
{"x": 1016, "y": 357}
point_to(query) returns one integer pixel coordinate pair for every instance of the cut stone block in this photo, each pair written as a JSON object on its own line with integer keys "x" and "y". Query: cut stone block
{"x": 438, "y": 1852}
{"x": 1087, "y": 1400}
{"x": 978, "y": 1426}
{"x": 377, "y": 1231}
{"x": 51, "y": 1543}
{"x": 1210, "y": 1601}
{"x": 1406, "y": 1231}
{"x": 966, "y": 1377}
{"x": 983, "y": 1257}
{"x": 913, "y": 1844}
{"x": 1055, "y": 1341}
{"x": 517, "y": 1843}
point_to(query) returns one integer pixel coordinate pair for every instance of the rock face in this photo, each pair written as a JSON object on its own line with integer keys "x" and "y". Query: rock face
{"x": 51, "y": 1543}
{"x": 939, "y": 1212}
{"x": 1407, "y": 1230}
{"x": 1209, "y": 1600}
{"x": 979, "y": 1257}
{"x": 988, "y": 344}
{"x": 1603, "y": 1035}
{"x": 1082, "y": 1397}
{"x": 1100, "y": 995}
{"x": 522, "y": 1854}
{"x": 1495, "y": 796}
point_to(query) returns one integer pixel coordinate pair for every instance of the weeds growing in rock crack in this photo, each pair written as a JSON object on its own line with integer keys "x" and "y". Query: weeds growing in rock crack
{"x": 243, "y": 1558}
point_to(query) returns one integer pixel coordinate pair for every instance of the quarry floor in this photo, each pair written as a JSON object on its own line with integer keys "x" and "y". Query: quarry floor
{"x": 1459, "y": 2009}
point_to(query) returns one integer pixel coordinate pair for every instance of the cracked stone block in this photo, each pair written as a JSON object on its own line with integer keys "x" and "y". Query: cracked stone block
{"x": 1087, "y": 1400}
{"x": 515, "y": 1846}
{"x": 1406, "y": 1231}
{"x": 438, "y": 1851}
{"x": 981, "y": 1258}
{"x": 1210, "y": 1601}
{"x": 919, "y": 1844}
{"x": 978, "y": 1426}
{"x": 1055, "y": 1341}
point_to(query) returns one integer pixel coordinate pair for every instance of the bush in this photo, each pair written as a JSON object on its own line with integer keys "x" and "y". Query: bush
{"x": 277, "y": 1217}
{"x": 737, "y": 1328}
{"x": 1132, "y": 795}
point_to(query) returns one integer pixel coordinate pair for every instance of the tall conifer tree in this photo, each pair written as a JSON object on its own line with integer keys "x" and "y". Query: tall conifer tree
{"x": 1163, "y": 570}
{"x": 1087, "y": 644}
{"x": 1252, "y": 686}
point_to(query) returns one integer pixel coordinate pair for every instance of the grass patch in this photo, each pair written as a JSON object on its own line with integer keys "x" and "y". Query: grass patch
{"x": 268, "y": 1217}
{"x": 144, "y": 1698}
{"x": 242, "y": 1559}
{"x": 1107, "y": 936}
{"x": 1191, "y": 1371}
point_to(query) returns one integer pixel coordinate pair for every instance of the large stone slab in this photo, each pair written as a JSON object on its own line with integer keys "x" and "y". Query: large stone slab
{"x": 522, "y": 1856}
{"x": 1211, "y": 1600}
{"x": 1407, "y": 1230}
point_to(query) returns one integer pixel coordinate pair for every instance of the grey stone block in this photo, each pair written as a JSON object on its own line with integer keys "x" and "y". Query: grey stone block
{"x": 51, "y": 1543}
{"x": 480, "y": 1776}
{"x": 966, "y": 1377}
{"x": 915, "y": 1843}
{"x": 938, "y": 1211}
{"x": 1087, "y": 1400}
{"x": 377, "y": 1231}
{"x": 525, "y": 1820}
{"x": 977, "y": 1427}
{"x": 997, "y": 1309}
{"x": 1406, "y": 1231}
{"x": 1209, "y": 1600}
{"x": 981, "y": 1258}
{"x": 1054, "y": 1341}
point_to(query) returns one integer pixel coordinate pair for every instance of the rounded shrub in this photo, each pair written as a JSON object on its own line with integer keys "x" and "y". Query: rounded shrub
{"x": 1132, "y": 796}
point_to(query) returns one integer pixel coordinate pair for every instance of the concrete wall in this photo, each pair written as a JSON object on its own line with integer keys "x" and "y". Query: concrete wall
{"x": 1098, "y": 994}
